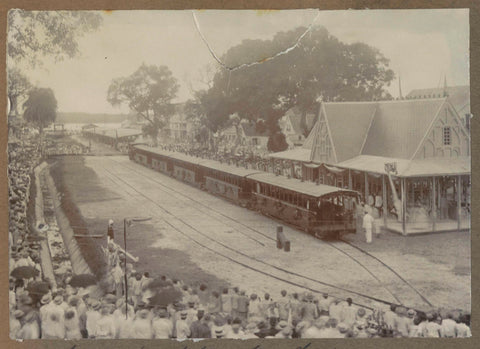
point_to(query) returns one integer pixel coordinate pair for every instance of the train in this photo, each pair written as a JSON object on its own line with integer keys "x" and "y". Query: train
{"x": 321, "y": 210}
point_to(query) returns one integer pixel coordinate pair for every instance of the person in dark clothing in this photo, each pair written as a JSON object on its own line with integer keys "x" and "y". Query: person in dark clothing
{"x": 199, "y": 328}
{"x": 265, "y": 331}
{"x": 110, "y": 233}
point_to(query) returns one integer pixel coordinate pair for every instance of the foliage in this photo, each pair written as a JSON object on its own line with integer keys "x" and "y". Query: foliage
{"x": 148, "y": 92}
{"x": 320, "y": 68}
{"x": 40, "y": 107}
{"x": 32, "y": 34}
{"x": 277, "y": 142}
{"x": 18, "y": 85}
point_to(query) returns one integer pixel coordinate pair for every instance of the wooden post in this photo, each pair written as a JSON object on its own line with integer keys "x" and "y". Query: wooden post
{"x": 459, "y": 200}
{"x": 366, "y": 188}
{"x": 384, "y": 198}
{"x": 434, "y": 203}
{"x": 350, "y": 184}
{"x": 404, "y": 204}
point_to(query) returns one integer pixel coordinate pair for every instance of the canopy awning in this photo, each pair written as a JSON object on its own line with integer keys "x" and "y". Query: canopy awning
{"x": 296, "y": 154}
{"x": 410, "y": 168}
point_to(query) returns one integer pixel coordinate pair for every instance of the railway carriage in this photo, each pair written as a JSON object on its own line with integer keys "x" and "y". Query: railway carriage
{"x": 228, "y": 181}
{"x": 154, "y": 158}
{"x": 186, "y": 169}
{"x": 321, "y": 210}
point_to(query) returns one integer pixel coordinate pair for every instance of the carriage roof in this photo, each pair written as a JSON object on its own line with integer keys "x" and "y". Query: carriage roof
{"x": 171, "y": 154}
{"x": 226, "y": 168}
{"x": 306, "y": 188}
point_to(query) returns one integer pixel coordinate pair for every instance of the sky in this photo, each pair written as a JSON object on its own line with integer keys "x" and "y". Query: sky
{"x": 423, "y": 47}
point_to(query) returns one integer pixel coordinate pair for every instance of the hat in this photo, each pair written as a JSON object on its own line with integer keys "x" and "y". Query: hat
{"x": 411, "y": 312}
{"x": 95, "y": 304}
{"x": 143, "y": 313}
{"x": 342, "y": 327}
{"x": 73, "y": 301}
{"x": 58, "y": 300}
{"x": 110, "y": 298}
{"x": 162, "y": 312}
{"x": 110, "y": 222}
{"x": 47, "y": 298}
{"x": 219, "y": 331}
{"x": 282, "y": 324}
{"x": 18, "y": 314}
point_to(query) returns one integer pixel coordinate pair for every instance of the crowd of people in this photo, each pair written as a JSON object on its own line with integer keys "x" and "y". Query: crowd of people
{"x": 72, "y": 313}
{"x": 57, "y": 147}
{"x": 161, "y": 308}
{"x": 23, "y": 157}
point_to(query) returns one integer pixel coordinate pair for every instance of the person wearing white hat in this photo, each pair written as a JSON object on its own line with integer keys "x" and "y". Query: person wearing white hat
{"x": 142, "y": 325}
{"x": 46, "y": 301}
{"x": 235, "y": 331}
{"x": 162, "y": 326}
{"x": 54, "y": 326}
{"x": 72, "y": 322}
{"x": 403, "y": 323}
{"x": 368, "y": 224}
{"x": 182, "y": 328}
{"x": 105, "y": 327}
{"x": 254, "y": 307}
{"x": 283, "y": 306}
{"x": 285, "y": 331}
{"x": 92, "y": 317}
{"x": 218, "y": 331}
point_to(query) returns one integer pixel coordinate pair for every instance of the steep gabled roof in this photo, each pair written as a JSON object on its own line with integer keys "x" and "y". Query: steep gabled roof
{"x": 294, "y": 114}
{"x": 349, "y": 123}
{"x": 400, "y": 126}
{"x": 458, "y": 96}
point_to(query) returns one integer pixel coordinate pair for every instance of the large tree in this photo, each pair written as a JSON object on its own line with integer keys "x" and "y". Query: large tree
{"x": 148, "y": 92}
{"x": 40, "y": 108}
{"x": 18, "y": 86}
{"x": 320, "y": 68}
{"x": 34, "y": 34}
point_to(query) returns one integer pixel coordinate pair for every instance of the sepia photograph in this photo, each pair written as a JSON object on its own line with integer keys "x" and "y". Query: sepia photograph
{"x": 238, "y": 174}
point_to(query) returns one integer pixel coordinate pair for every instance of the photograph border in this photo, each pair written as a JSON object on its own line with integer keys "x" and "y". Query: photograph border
{"x": 474, "y": 18}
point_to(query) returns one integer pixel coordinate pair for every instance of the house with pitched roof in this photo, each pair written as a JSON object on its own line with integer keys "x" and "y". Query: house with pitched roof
{"x": 291, "y": 125}
{"x": 409, "y": 158}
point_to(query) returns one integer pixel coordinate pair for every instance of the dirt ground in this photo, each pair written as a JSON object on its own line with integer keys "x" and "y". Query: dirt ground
{"x": 179, "y": 239}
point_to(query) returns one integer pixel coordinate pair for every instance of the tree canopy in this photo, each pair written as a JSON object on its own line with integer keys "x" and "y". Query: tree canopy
{"x": 32, "y": 34}
{"x": 149, "y": 92}
{"x": 18, "y": 85}
{"x": 320, "y": 68}
{"x": 40, "y": 107}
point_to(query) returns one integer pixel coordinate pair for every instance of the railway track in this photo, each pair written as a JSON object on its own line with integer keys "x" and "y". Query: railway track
{"x": 380, "y": 271}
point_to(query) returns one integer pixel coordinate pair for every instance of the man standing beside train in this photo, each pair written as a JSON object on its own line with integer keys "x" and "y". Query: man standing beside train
{"x": 368, "y": 223}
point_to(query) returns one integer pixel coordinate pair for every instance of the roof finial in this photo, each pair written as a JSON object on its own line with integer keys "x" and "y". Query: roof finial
{"x": 400, "y": 87}
{"x": 445, "y": 93}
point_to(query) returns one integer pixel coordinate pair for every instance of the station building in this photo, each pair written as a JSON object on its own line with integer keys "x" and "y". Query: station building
{"x": 410, "y": 160}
